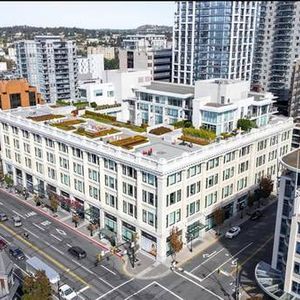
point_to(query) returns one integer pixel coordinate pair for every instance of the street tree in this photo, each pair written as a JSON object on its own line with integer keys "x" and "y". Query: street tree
{"x": 219, "y": 218}
{"x": 251, "y": 199}
{"x": 54, "y": 203}
{"x": 266, "y": 186}
{"x": 175, "y": 242}
{"x": 92, "y": 227}
{"x": 8, "y": 180}
{"x": 75, "y": 219}
{"x": 36, "y": 287}
{"x": 37, "y": 199}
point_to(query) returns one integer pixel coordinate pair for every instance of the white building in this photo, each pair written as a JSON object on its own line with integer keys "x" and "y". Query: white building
{"x": 3, "y": 66}
{"x": 90, "y": 67}
{"x": 49, "y": 63}
{"x": 213, "y": 39}
{"x": 100, "y": 93}
{"x": 125, "y": 82}
{"x": 108, "y": 52}
{"x": 12, "y": 54}
{"x": 148, "y": 186}
{"x": 144, "y": 42}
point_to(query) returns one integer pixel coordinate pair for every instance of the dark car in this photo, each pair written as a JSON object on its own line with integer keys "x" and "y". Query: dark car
{"x": 256, "y": 215}
{"x": 3, "y": 244}
{"x": 77, "y": 251}
{"x": 3, "y": 217}
{"x": 16, "y": 253}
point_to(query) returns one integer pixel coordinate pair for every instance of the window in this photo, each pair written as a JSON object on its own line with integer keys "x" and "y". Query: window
{"x": 64, "y": 163}
{"x": 32, "y": 99}
{"x": 93, "y": 158}
{"x": 272, "y": 155}
{"x": 109, "y": 164}
{"x": 38, "y": 152}
{"x": 77, "y": 153}
{"x": 149, "y": 218}
{"x": 228, "y": 173}
{"x": 213, "y": 163}
{"x": 244, "y": 151}
{"x": 15, "y": 130}
{"x": 242, "y": 183}
{"x": 78, "y": 168}
{"x": 244, "y": 166}
{"x": 94, "y": 175}
{"x": 25, "y": 134}
{"x": 110, "y": 182}
{"x": 63, "y": 147}
{"x": 65, "y": 179}
{"x": 174, "y": 178}
{"x": 37, "y": 138}
{"x": 227, "y": 191}
{"x": 16, "y": 144}
{"x": 15, "y": 100}
{"x": 173, "y": 217}
{"x": 111, "y": 200}
{"x": 49, "y": 143}
{"x": 98, "y": 93}
{"x": 211, "y": 180}
{"x": 273, "y": 140}
{"x": 129, "y": 189}
{"x": 149, "y": 198}
{"x": 192, "y": 208}
{"x": 8, "y": 154}
{"x": 192, "y": 171}
{"x": 210, "y": 199}
{"x": 262, "y": 145}
{"x": 297, "y": 268}
{"x": 149, "y": 178}
{"x": 6, "y": 139}
{"x": 51, "y": 173}
{"x": 79, "y": 185}
{"x": 50, "y": 157}
{"x": 94, "y": 192}
{"x": 173, "y": 197}
{"x": 296, "y": 287}
{"x": 193, "y": 189}
{"x": 129, "y": 171}
{"x": 18, "y": 158}
{"x": 129, "y": 209}
{"x": 28, "y": 162}
{"x": 260, "y": 160}
{"x": 229, "y": 157}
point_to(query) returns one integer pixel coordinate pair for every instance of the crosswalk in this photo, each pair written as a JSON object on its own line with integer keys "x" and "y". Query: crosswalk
{"x": 30, "y": 214}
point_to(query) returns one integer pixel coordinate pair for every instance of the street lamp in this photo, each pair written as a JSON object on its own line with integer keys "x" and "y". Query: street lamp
{"x": 237, "y": 282}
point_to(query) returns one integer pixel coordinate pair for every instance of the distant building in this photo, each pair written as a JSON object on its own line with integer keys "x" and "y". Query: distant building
{"x": 90, "y": 67}
{"x": 12, "y": 54}
{"x": 108, "y": 52}
{"x": 49, "y": 62}
{"x": 3, "y": 66}
{"x": 16, "y": 93}
{"x": 144, "y": 42}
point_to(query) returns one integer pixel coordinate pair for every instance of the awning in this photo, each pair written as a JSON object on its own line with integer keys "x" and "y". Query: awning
{"x": 107, "y": 233}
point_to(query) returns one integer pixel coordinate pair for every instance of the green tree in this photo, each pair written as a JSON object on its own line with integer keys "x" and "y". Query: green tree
{"x": 245, "y": 124}
{"x": 8, "y": 180}
{"x": 111, "y": 64}
{"x": 36, "y": 287}
{"x": 54, "y": 203}
{"x": 175, "y": 242}
{"x": 266, "y": 186}
{"x": 219, "y": 218}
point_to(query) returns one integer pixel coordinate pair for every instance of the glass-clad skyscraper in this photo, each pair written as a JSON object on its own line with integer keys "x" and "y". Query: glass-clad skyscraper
{"x": 213, "y": 39}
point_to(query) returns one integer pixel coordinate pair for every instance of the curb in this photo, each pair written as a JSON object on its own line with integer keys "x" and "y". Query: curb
{"x": 59, "y": 221}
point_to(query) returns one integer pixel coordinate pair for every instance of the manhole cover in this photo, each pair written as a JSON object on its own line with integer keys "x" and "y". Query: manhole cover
{"x": 160, "y": 152}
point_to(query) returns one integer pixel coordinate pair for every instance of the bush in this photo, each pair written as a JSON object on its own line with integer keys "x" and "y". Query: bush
{"x": 183, "y": 124}
{"x": 200, "y": 133}
{"x": 93, "y": 104}
{"x": 245, "y": 124}
{"x": 160, "y": 130}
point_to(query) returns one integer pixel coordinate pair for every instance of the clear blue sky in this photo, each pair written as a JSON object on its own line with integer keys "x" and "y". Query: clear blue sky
{"x": 86, "y": 14}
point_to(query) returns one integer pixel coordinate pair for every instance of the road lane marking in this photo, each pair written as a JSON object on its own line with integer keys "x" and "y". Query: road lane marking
{"x": 226, "y": 261}
{"x": 47, "y": 256}
{"x": 69, "y": 245}
{"x": 30, "y": 214}
{"x": 1, "y": 203}
{"x": 56, "y": 237}
{"x": 59, "y": 251}
{"x": 61, "y": 232}
{"x": 144, "y": 288}
{"x": 115, "y": 288}
{"x": 163, "y": 287}
{"x": 199, "y": 285}
{"x": 18, "y": 214}
{"x": 254, "y": 253}
{"x": 32, "y": 233}
{"x": 39, "y": 227}
{"x": 107, "y": 269}
{"x": 46, "y": 223}
{"x": 207, "y": 260}
{"x": 82, "y": 290}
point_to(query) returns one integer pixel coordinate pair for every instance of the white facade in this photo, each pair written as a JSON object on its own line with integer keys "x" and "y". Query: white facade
{"x": 125, "y": 82}
{"x": 145, "y": 42}
{"x": 90, "y": 67}
{"x": 175, "y": 186}
{"x": 100, "y": 93}
{"x": 107, "y": 52}
{"x": 12, "y": 54}
{"x": 3, "y": 66}
{"x": 213, "y": 39}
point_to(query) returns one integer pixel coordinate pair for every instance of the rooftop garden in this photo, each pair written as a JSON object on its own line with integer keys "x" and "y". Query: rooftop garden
{"x": 68, "y": 125}
{"x": 105, "y": 106}
{"x": 79, "y": 105}
{"x": 183, "y": 124}
{"x": 45, "y": 117}
{"x": 96, "y": 134}
{"x": 245, "y": 124}
{"x": 160, "y": 130}
{"x": 199, "y": 136}
{"x": 112, "y": 121}
{"x": 129, "y": 142}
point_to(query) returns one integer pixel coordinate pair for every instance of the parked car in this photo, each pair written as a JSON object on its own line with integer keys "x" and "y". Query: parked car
{"x": 232, "y": 232}
{"x": 77, "y": 251}
{"x": 3, "y": 244}
{"x": 17, "y": 221}
{"x": 256, "y": 215}
{"x": 16, "y": 252}
{"x": 3, "y": 217}
{"x": 66, "y": 292}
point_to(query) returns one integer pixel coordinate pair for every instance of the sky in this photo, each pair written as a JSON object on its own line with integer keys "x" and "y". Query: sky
{"x": 87, "y": 14}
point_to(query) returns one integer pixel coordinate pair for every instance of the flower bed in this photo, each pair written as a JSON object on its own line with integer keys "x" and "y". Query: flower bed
{"x": 45, "y": 117}
{"x": 130, "y": 142}
{"x": 67, "y": 125}
{"x": 199, "y": 133}
{"x": 160, "y": 130}
{"x": 194, "y": 140}
{"x": 112, "y": 121}
{"x": 92, "y": 135}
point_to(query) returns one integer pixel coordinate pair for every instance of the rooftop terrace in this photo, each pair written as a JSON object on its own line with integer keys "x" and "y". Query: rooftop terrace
{"x": 171, "y": 88}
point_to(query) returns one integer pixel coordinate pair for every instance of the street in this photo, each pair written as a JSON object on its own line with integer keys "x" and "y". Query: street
{"x": 199, "y": 279}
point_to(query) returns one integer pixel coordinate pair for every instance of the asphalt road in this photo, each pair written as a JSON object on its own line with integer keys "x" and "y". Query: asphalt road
{"x": 49, "y": 240}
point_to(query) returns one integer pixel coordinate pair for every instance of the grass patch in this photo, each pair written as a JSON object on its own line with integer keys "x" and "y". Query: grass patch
{"x": 112, "y": 121}
{"x": 160, "y": 130}
{"x": 130, "y": 142}
{"x": 45, "y": 117}
{"x": 199, "y": 133}
{"x": 183, "y": 124}
{"x": 92, "y": 135}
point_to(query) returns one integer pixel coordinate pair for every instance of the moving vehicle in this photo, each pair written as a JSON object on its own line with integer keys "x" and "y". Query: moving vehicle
{"x": 232, "y": 232}
{"x": 66, "y": 292}
{"x": 16, "y": 252}
{"x": 256, "y": 215}
{"x": 17, "y": 221}
{"x": 3, "y": 244}
{"x": 3, "y": 217}
{"x": 34, "y": 264}
{"x": 77, "y": 251}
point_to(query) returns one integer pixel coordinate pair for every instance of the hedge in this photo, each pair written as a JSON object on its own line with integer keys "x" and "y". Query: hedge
{"x": 199, "y": 133}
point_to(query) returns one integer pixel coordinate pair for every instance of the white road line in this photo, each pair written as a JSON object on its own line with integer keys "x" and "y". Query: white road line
{"x": 56, "y": 237}
{"x": 83, "y": 289}
{"x": 115, "y": 288}
{"x": 226, "y": 261}
{"x": 144, "y": 288}
{"x": 69, "y": 245}
{"x": 107, "y": 269}
{"x": 59, "y": 251}
{"x": 18, "y": 214}
{"x": 32, "y": 233}
{"x": 1, "y": 203}
{"x": 39, "y": 227}
{"x": 168, "y": 290}
{"x": 207, "y": 260}
{"x": 201, "y": 286}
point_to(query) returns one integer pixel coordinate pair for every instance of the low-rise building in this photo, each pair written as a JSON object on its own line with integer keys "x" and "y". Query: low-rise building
{"x": 90, "y": 67}
{"x": 107, "y": 52}
{"x": 144, "y": 42}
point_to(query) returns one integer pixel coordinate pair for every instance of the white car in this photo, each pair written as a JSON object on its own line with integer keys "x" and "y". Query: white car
{"x": 66, "y": 292}
{"x": 17, "y": 221}
{"x": 232, "y": 232}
